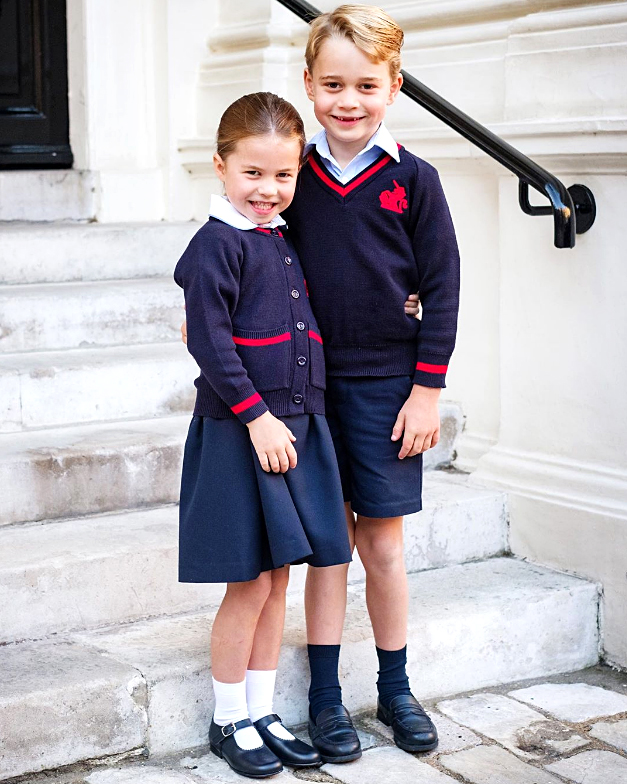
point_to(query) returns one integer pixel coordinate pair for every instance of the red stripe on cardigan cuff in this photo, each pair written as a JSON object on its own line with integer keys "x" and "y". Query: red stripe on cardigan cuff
{"x": 428, "y": 368}
{"x": 248, "y": 403}
{"x": 314, "y": 336}
{"x": 262, "y": 341}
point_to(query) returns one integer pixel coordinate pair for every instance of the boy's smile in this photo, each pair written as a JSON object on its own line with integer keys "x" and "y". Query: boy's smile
{"x": 350, "y": 93}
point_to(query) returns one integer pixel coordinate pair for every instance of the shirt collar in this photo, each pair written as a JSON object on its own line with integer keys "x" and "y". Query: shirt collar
{"x": 222, "y": 209}
{"x": 382, "y": 139}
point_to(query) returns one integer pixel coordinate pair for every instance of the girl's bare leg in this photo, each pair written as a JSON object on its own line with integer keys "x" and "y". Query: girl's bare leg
{"x": 269, "y": 633}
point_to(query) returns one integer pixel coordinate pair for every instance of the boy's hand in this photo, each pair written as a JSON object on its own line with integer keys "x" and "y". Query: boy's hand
{"x": 273, "y": 443}
{"x": 420, "y": 419}
{"x": 412, "y": 305}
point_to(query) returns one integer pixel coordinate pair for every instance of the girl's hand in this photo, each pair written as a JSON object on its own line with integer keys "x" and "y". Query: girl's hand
{"x": 412, "y": 305}
{"x": 273, "y": 443}
{"x": 419, "y": 418}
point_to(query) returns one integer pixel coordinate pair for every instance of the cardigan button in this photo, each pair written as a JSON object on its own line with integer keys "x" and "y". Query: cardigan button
{"x": 288, "y": 260}
{"x": 302, "y": 361}
{"x": 300, "y": 325}
{"x": 295, "y": 293}
{"x": 298, "y": 399}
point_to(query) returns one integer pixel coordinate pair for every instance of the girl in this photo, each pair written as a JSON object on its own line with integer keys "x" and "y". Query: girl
{"x": 250, "y": 504}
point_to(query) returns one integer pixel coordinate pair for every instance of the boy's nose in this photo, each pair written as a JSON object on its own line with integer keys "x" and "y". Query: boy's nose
{"x": 348, "y": 99}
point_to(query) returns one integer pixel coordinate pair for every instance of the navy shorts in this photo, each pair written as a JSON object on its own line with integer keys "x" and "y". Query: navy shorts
{"x": 361, "y": 412}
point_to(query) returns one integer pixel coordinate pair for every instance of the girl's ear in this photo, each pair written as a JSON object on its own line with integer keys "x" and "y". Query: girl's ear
{"x": 395, "y": 89}
{"x": 220, "y": 167}
{"x": 308, "y": 84}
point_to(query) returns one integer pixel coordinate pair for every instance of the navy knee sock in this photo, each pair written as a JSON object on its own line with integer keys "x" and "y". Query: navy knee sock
{"x": 324, "y": 691}
{"x": 393, "y": 678}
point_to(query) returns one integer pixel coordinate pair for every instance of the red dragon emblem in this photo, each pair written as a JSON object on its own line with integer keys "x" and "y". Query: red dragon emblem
{"x": 395, "y": 200}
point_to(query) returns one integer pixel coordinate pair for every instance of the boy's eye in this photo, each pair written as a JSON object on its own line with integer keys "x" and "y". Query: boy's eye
{"x": 332, "y": 85}
{"x": 369, "y": 86}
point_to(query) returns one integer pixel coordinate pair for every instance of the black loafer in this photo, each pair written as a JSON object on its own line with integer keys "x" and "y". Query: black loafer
{"x": 293, "y": 752}
{"x": 254, "y": 763}
{"x": 413, "y": 729}
{"x": 333, "y": 734}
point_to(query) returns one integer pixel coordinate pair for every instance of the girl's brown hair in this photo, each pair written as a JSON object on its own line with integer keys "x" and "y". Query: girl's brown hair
{"x": 371, "y": 29}
{"x": 258, "y": 114}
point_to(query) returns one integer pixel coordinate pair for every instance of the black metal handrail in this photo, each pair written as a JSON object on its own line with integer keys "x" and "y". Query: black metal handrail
{"x": 573, "y": 209}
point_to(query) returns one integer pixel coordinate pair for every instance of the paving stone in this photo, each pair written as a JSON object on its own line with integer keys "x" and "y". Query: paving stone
{"x": 573, "y": 701}
{"x": 613, "y": 733}
{"x": 517, "y": 727}
{"x": 592, "y": 767}
{"x": 389, "y": 765}
{"x": 452, "y": 737}
{"x": 139, "y": 775}
{"x": 493, "y": 765}
{"x": 210, "y": 769}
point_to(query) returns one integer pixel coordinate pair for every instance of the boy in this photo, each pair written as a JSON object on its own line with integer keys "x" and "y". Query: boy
{"x": 371, "y": 223}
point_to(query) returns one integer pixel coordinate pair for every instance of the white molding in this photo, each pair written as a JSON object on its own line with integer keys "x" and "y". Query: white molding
{"x": 589, "y": 487}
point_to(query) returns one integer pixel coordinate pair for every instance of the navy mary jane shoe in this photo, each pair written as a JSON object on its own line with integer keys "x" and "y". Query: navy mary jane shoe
{"x": 253, "y": 763}
{"x": 292, "y": 752}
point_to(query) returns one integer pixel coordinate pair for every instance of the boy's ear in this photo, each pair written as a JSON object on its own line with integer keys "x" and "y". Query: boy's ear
{"x": 395, "y": 89}
{"x": 219, "y": 166}
{"x": 308, "y": 78}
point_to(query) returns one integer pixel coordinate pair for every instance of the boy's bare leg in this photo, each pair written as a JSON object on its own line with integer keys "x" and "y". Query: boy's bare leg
{"x": 325, "y": 597}
{"x": 379, "y": 542}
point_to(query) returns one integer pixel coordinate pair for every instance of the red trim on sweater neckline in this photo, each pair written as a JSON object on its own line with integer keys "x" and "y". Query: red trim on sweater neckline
{"x": 267, "y": 231}
{"x": 344, "y": 190}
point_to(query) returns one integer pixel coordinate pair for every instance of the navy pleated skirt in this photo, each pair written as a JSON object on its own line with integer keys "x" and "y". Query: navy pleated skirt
{"x": 237, "y": 521}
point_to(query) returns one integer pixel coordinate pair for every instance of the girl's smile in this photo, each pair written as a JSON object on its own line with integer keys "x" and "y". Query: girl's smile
{"x": 259, "y": 175}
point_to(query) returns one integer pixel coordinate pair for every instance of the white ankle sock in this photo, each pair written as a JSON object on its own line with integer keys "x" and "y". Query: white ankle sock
{"x": 231, "y": 707}
{"x": 259, "y": 697}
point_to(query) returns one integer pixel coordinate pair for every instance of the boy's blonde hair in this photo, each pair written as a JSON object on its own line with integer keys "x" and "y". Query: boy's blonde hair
{"x": 372, "y": 31}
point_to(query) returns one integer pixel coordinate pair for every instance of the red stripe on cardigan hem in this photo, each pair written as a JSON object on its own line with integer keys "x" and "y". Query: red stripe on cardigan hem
{"x": 315, "y": 336}
{"x": 431, "y": 368}
{"x": 262, "y": 341}
{"x": 351, "y": 186}
{"x": 248, "y": 403}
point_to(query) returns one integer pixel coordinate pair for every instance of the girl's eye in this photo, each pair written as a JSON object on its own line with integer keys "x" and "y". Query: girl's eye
{"x": 284, "y": 175}
{"x": 252, "y": 172}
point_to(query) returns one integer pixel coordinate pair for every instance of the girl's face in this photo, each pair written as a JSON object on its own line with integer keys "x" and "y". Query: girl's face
{"x": 259, "y": 176}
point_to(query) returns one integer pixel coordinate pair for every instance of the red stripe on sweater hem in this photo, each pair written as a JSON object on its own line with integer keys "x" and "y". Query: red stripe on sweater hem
{"x": 245, "y": 404}
{"x": 351, "y": 186}
{"x": 262, "y": 341}
{"x": 431, "y": 368}
{"x": 315, "y": 336}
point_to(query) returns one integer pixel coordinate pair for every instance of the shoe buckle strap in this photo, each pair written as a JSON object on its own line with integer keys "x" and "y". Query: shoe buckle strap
{"x": 227, "y": 730}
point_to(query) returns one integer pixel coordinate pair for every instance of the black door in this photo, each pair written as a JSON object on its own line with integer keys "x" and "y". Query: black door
{"x": 34, "y": 127}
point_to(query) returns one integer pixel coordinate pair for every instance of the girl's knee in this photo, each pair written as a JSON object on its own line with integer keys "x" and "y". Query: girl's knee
{"x": 280, "y": 579}
{"x": 254, "y": 592}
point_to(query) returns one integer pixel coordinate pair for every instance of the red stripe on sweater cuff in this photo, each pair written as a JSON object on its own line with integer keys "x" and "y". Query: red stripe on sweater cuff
{"x": 431, "y": 368}
{"x": 262, "y": 341}
{"x": 315, "y": 336}
{"x": 248, "y": 403}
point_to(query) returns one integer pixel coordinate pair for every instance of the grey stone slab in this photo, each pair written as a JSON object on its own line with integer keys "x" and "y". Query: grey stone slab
{"x": 493, "y": 765}
{"x": 452, "y": 736}
{"x": 139, "y": 775}
{"x": 613, "y": 733}
{"x": 62, "y": 703}
{"x": 573, "y": 701}
{"x": 515, "y": 726}
{"x": 208, "y": 769}
{"x": 592, "y": 767}
{"x": 389, "y": 765}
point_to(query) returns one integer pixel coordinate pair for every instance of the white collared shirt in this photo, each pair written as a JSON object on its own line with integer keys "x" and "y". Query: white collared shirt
{"x": 381, "y": 141}
{"x": 222, "y": 209}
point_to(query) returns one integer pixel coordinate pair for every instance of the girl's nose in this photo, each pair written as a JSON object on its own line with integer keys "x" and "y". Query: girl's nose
{"x": 267, "y": 188}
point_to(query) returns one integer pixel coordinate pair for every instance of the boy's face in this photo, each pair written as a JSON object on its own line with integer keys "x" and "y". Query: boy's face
{"x": 350, "y": 93}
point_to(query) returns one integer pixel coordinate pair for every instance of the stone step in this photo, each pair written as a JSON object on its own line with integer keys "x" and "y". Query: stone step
{"x": 90, "y": 469}
{"x": 61, "y": 252}
{"x": 148, "y": 684}
{"x": 85, "y": 573}
{"x": 49, "y": 316}
{"x": 56, "y": 388}
{"x": 47, "y": 195}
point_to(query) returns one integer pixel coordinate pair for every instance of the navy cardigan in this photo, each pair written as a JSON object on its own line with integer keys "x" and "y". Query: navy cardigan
{"x": 249, "y": 324}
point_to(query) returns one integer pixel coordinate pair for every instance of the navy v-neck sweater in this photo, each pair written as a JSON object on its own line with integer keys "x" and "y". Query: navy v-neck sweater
{"x": 365, "y": 246}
